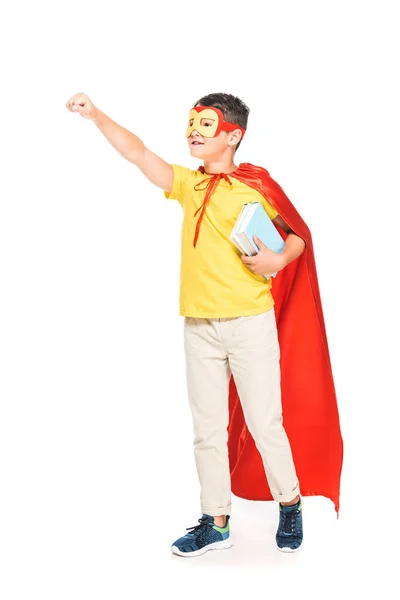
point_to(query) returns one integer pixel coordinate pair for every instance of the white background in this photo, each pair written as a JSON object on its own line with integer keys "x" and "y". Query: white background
{"x": 97, "y": 474}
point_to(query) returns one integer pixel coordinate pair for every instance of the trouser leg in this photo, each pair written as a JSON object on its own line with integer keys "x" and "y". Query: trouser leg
{"x": 254, "y": 356}
{"x": 208, "y": 375}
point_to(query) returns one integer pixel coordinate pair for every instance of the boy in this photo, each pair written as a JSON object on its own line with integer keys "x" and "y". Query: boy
{"x": 230, "y": 327}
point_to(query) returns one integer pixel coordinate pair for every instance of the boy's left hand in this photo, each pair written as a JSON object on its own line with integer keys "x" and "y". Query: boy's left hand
{"x": 265, "y": 262}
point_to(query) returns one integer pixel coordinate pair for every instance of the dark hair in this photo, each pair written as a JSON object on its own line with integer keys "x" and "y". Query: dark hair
{"x": 234, "y": 110}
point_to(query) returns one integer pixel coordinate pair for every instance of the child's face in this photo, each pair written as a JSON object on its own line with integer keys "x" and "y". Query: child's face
{"x": 209, "y": 136}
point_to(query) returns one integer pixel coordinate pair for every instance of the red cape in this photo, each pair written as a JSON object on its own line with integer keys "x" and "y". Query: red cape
{"x": 309, "y": 404}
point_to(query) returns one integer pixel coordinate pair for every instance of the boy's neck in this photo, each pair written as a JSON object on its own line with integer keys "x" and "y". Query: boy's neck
{"x": 221, "y": 166}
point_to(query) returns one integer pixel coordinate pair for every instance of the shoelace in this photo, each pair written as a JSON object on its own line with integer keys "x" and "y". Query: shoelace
{"x": 202, "y": 523}
{"x": 210, "y": 185}
{"x": 289, "y": 521}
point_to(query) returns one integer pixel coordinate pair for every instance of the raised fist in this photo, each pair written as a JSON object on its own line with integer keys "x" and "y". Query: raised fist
{"x": 82, "y": 104}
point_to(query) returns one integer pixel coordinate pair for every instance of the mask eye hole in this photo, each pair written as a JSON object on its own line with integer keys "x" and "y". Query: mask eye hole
{"x": 190, "y": 122}
{"x": 207, "y": 122}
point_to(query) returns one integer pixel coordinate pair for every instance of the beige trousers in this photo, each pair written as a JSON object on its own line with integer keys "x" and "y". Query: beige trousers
{"x": 247, "y": 348}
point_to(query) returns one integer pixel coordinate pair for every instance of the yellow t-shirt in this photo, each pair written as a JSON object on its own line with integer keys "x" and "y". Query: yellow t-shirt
{"x": 214, "y": 283}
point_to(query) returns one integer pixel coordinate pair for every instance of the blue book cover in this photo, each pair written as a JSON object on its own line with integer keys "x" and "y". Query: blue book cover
{"x": 255, "y": 221}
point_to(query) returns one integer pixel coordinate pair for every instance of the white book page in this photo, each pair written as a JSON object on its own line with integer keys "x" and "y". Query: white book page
{"x": 248, "y": 217}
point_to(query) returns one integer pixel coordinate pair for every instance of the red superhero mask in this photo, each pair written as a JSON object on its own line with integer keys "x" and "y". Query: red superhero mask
{"x": 208, "y": 122}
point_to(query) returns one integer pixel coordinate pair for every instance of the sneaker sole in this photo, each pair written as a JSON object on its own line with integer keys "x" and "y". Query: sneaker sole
{"x": 222, "y": 545}
{"x": 291, "y": 549}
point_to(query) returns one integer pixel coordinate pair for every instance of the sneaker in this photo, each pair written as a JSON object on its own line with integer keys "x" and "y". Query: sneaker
{"x": 203, "y": 537}
{"x": 289, "y": 537}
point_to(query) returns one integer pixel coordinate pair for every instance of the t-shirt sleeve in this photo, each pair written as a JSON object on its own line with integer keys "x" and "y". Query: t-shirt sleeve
{"x": 270, "y": 210}
{"x": 181, "y": 176}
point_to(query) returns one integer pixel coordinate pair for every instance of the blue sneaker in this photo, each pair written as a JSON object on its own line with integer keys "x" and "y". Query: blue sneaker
{"x": 203, "y": 537}
{"x": 289, "y": 537}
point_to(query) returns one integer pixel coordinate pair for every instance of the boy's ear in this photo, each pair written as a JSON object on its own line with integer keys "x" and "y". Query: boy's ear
{"x": 235, "y": 137}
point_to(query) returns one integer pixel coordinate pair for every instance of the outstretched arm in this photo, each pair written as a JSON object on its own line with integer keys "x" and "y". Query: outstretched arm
{"x": 157, "y": 170}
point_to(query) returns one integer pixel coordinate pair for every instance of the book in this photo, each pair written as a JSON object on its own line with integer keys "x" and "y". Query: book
{"x": 253, "y": 220}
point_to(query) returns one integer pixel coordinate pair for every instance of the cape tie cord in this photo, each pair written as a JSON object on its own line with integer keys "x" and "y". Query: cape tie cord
{"x": 211, "y": 184}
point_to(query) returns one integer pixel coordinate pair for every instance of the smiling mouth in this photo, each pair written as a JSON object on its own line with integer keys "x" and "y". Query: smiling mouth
{"x": 196, "y": 143}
